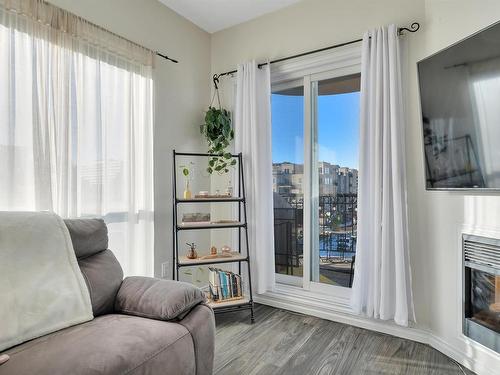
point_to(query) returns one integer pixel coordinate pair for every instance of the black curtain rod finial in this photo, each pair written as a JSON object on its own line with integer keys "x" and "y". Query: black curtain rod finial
{"x": 414, "y": 27}
{"x": 166, "y": 57}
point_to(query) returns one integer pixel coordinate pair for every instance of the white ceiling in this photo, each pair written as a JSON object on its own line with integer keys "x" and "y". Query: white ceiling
{"x": 215, "y": 15}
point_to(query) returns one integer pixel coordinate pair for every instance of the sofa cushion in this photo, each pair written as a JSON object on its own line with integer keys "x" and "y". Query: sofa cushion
{"x": 157, "y": 298}
{"x": 89, "y": 236}
{"x": 103, "y": 275}
{"x": 110, "y": 344}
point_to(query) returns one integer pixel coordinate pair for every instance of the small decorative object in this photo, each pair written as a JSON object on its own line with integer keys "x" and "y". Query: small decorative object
{"x": 226, "y": 250}
{"x": 213, "y": 250}
{"x": 187, "y": 171}
{"x": 229, "y": 189}
{"x": 203, "y": 194}
{"x": 187, "y": 192}
{"x": 196, "y": 218}
{"x": 191, "y": 253}
{"x": 495, "y": 307}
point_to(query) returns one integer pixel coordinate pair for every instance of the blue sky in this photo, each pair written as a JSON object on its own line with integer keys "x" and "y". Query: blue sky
{"x": 338, "y": 128}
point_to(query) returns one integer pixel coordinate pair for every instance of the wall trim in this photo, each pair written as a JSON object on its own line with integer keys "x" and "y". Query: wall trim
{"x": 339, "y": 311}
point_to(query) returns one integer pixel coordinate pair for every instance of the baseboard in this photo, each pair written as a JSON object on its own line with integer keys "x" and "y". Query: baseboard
{"x": 341, "y": 313}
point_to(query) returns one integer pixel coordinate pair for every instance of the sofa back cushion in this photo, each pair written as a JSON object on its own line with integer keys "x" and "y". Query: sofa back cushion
{"x": 89, "y": 236}
{"x": 101, "y": 270}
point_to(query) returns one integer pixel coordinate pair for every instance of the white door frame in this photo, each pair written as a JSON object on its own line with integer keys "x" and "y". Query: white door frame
{"x": 309, "y": 70}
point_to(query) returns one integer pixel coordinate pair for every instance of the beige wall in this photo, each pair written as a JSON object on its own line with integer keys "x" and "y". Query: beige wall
{"x": 181, "y": 90}
{"x": 307, "y": 25}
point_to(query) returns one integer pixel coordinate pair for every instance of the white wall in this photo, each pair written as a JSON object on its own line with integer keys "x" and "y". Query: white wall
{"x": 436, "y": 218}
{"x": 181, "y": 90}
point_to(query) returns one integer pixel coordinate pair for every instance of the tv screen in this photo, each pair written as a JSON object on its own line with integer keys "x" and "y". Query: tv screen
{"x": 460, "y": 102}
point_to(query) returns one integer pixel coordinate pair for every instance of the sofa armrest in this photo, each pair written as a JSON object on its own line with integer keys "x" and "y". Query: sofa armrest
{"x": 157, "y": 298}
{"x": 200, "y": 322}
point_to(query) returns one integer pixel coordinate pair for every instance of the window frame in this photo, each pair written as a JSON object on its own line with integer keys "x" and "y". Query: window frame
{"x": 309, "y": 70}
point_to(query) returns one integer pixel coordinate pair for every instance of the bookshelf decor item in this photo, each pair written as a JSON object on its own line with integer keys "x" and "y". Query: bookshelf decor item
{"x": 226, "y": 292}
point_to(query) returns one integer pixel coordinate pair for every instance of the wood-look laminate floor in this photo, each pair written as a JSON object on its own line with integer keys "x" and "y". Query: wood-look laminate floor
{"x": 282, "y": 342}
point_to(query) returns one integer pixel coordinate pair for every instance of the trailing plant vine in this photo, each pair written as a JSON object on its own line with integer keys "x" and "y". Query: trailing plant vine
{"x": 219, "y": 134}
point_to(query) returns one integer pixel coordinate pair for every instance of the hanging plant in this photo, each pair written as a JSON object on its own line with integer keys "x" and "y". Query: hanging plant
{"x": 219, "y": 134}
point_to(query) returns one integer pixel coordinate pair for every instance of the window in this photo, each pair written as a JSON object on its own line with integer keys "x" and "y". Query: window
{"x": 76, "y": 123}
{"x": 315, "y": 120}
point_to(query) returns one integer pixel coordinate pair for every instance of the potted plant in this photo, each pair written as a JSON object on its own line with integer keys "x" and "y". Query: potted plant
{"x": 219, "y": 133}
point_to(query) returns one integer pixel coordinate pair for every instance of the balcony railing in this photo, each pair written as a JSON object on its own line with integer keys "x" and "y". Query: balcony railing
{"x": 337, "y": 228}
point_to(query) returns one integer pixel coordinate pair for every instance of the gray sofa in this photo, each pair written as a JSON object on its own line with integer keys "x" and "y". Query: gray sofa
{"x": 141, "y": 325}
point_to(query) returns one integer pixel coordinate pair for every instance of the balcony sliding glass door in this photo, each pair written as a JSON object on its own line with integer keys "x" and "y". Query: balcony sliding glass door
{"x": 288, "y": 174}
{"x": 315, "y": 178}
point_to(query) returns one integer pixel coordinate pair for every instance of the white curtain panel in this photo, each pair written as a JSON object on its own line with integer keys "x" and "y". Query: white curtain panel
{"x": 382, "y": 277}
{"x": 252, "y": 126}
{"x": 76, "y": 125}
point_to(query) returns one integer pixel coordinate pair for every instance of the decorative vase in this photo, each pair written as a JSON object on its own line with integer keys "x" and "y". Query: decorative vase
{"x": 191, "y": 253}
{"x": 187, "y": 191}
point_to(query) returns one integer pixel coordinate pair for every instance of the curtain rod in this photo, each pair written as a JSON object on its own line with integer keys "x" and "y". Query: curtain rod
{"x": 413, "y": 28}
{"x": 111, "y": 32}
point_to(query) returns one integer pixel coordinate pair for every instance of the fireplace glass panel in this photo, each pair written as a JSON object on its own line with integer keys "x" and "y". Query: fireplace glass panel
{"x": 485, "y": 299}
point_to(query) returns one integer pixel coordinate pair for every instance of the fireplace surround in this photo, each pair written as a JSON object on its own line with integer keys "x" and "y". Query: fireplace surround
{"x": 481, "y": 290}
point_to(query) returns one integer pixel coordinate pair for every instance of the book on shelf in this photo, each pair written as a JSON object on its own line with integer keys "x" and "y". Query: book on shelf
{"x": 224, "y": 285}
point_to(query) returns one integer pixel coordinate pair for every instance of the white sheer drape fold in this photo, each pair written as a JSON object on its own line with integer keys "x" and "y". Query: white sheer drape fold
{"x": 253, "y": 139}
{"x": 382, "y": 277}
{"x": 76, "y": 126}
{"x": 67, "y": 30}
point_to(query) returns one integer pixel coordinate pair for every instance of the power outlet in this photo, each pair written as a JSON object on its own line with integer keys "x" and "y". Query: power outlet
{"x": 166, "y": 268}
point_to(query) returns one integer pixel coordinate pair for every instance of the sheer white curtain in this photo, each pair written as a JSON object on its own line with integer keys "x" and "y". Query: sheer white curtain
{"x": 76, "y": 126}
{"x": 382, "y": 277}
{"x": 252, "y": 125}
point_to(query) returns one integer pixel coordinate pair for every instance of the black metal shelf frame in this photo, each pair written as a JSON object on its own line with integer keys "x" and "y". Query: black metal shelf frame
{"x": 207, "y": 262}
{"x": 241, "y": 226}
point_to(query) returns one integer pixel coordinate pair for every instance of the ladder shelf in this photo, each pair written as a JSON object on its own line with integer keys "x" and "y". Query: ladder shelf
{"x": 241, "y": 224}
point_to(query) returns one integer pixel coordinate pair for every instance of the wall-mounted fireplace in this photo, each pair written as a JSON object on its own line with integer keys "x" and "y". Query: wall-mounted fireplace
{"x": 481, "y": 292}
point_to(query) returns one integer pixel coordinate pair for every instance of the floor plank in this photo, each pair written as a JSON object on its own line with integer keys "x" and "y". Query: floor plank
{"x": 285, "y": 343}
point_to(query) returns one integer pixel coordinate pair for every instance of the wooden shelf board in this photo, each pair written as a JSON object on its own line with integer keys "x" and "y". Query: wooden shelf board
{"x": 210, "y": 226}
{"x": 183, "y": 261}
{"x": 219, "y": 305}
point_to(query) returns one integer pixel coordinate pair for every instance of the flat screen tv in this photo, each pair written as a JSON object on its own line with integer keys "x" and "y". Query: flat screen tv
{"x": 460, "y": 102}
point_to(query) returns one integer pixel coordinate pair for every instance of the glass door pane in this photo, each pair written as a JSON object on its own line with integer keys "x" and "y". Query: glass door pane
{"x": 335, "y": 127}
{"x": 287, "y": 105}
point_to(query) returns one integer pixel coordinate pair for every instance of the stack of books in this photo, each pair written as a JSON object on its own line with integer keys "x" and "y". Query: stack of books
{"x": 224, "y": 285}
